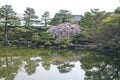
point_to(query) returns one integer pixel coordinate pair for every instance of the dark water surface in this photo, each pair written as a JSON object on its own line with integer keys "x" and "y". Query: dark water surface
{"x": 39, "y": 64}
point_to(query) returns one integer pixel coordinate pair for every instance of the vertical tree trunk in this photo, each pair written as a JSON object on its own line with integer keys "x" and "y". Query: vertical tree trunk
{"x": 63, "y": 20}
{"x": 6, "y": 34}
{"x": 45, "y": 23}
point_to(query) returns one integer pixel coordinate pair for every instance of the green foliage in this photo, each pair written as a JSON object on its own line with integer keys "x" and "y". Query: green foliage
{"x": 45, "y": 17}
{"x": 1, "y": 38}
{"x": 8, "y": 19}
{"x": 55, "y": 21}
{"x": 99, "y": 27}
{"x": 64, "y": 15}
{"x": 108, "y": 33}
{"x": 112, "y": 19}
{"x": 97, "y": 16}
{"x": 117, "y": 10}
{"x": 43, "y": 28}
{"x": 47, "y": 44}
{"x": 92, "y": 22}
{"x": 46, "y": 38}
{"x": 107, "y": 20}
{"x": 29, "y": 15}
{"x": 86, "y": 21}
{"x": 21, "y": 29}
{"x": 9, "y": 14}
{"x": 35, "y": 37}
{"x": 45, "y": 35}
{"x": 64, "y": 42}
{"x": 102, "y": 29}
{"x": 92, "y": 18}
{"x": 61, "y": 17}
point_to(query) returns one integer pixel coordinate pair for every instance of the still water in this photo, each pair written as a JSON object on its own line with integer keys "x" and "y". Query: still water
{"x": 39, "y": 64}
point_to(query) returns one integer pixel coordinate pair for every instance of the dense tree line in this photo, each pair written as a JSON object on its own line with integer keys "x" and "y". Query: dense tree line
{"x": 99, "y": 27}
{"x": 103, "y": 28}
{"x": 13, "y": 33}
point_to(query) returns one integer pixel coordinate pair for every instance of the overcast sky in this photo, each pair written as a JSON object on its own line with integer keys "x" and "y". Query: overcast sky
{"x": 77, "y": 7}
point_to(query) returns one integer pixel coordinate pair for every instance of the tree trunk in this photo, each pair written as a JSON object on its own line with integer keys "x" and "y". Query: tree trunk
{"x": 45, "y": 23}
{"x": 5, "y": 32}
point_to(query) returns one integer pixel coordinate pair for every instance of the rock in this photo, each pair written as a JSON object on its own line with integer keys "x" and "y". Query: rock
{"x": 65, "y": 30}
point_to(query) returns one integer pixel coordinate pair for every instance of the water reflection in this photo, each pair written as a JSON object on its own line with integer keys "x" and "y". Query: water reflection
{"x": 29, "y": 64}
{"x": 65, "y": 67}
{"x": 100, "y": 67}
{"x": 8, "y": 66}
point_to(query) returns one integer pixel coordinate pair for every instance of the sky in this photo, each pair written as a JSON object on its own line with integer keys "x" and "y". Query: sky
{"x": 76, "y": 7}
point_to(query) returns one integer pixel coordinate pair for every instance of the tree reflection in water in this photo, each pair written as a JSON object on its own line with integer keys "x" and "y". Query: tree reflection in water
{"x": 96, "y": 66}
{"x": 100, "y": 67}
{"x": 30, "y": 66}
{"x": 65, "y": 67}
{"x": 8, "y": 66}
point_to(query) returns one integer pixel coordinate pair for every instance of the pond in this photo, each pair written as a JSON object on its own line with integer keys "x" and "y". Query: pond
{"x": 46, "y": 64}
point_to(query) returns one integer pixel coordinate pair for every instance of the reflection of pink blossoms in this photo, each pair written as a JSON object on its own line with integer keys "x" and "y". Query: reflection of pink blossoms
{"x": 65, "y": 30}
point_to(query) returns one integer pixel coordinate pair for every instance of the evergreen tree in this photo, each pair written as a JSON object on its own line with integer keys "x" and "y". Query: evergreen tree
{"x": 9, "y": 19}
{"x": 61, "y": 17}
{"x": 45, "y": 17}
{"x": 29, "y": 15}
